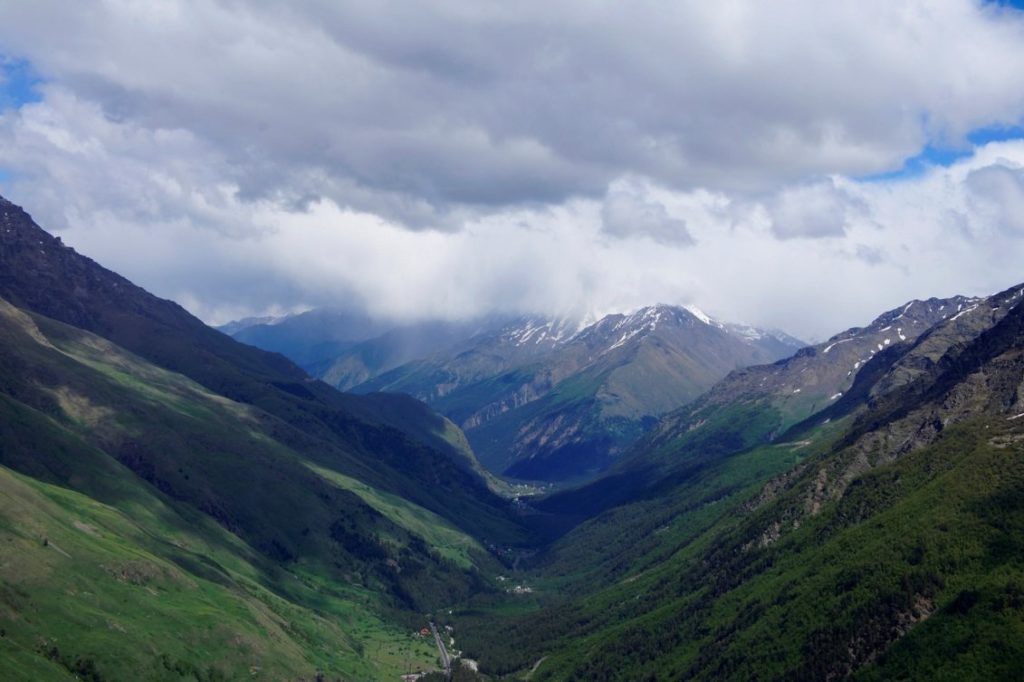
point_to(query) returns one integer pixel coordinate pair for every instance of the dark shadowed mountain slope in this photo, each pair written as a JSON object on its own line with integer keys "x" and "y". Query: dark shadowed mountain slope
{"x": 40, "y": 274}
{"x": 235, "y": 326}
{"x": 311, "y": 337}
{"x": 407, "y": 343}
{"x": 345, "y": 348}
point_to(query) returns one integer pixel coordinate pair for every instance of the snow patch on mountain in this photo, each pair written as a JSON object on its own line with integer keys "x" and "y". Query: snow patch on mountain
{"x": 539, "y": 331}
{"x": 963, "y": 312}
{"x": 700, "y": 315}
{"x": 836, "y": 343}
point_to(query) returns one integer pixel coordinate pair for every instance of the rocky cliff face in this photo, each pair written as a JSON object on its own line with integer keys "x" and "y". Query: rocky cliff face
{"x": 969, "y": 365}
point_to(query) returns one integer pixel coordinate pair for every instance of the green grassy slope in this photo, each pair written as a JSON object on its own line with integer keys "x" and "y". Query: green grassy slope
{"x": 163, "y": 488}
{"x": 91, "y": 592}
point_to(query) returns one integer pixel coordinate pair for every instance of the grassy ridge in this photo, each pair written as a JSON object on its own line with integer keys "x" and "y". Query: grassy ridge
{"x": 451, "y": 543}
{"x": 93, "y": 592}
{"x": 165, "y": 531}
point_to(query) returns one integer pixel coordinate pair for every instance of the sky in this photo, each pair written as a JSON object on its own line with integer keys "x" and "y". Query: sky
{"x": 799, "y": 164}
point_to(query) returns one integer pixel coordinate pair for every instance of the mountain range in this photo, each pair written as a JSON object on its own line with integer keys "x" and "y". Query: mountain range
{"x": 179, "y": 505}
{"x": 539, "y": 399}
{"x": 875, "y": 535}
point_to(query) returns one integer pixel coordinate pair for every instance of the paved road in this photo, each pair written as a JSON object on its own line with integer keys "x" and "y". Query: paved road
{"x": 446, "y": 660}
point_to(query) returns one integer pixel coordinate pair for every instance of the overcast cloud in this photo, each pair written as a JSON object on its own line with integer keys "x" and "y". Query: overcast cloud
{"x": 448, "y": 159}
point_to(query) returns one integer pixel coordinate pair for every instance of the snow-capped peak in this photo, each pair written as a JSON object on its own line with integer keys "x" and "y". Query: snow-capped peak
{"x": 618, "y": 329}
{"x": 537, "y": 331}
{"x": 701, "y": 315}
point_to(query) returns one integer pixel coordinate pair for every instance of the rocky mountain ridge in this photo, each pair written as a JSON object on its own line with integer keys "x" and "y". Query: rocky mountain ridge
{"x": 541, "y": 400}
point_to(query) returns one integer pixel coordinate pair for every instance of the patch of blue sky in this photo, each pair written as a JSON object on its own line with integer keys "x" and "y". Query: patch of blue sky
{"x": 18, "y": 83}
{"x": 937, "y": 155}
{"x": 18, "y": 87}
{"x": 1015, "y": 4}
{"x": 940, "y": 155}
